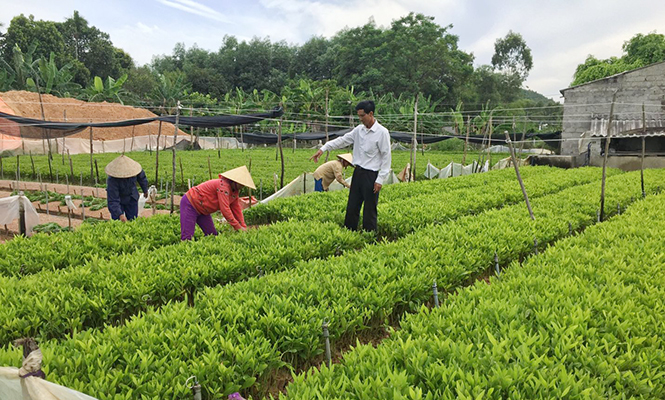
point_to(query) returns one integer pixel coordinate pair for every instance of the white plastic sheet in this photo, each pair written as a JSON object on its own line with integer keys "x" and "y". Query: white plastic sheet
{"x": 13, "y": 387}
{"x": 431, "y": 172}
{"x": 9, "y": 211}
{"x": 70, "y": 204}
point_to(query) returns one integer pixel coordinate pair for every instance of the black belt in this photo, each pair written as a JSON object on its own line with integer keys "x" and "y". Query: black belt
{"x": 365, "y": 169}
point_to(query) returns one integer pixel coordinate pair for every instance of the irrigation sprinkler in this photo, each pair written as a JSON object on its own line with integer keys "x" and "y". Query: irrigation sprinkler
{"x": 435, "y": 292}
{"x": 326, "y": 336}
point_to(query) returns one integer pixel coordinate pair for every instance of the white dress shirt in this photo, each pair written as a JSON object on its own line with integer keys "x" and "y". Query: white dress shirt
{"x": 371, "y": 148}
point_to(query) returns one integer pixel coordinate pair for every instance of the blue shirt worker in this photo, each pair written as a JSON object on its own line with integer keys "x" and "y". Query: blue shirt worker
{"x": 371, "y": 158}
{"x": 122, "y": 198}
{"x": 330, "y": 171}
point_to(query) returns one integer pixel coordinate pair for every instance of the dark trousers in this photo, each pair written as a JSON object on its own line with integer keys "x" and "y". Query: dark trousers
{"x": 129, "y": 208}
{"x": 362, "y": 191}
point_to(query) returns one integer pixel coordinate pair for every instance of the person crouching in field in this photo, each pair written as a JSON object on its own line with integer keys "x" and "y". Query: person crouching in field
{"x": 328, "y": 172}
{"x": 122, "y": 198}
{"x": 214, "y": 195}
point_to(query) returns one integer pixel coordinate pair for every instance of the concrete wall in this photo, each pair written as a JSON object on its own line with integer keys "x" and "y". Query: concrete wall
{"x": 592, "y": 100}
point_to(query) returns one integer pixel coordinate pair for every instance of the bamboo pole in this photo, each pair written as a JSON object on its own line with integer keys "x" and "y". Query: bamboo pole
{"x": 466, "y": 140}
{"x": 281, "y": 152}
{"x": 489, "y": 137}
{"x": 182, "y": 173}
{"x": 159, "y": 134}
{"x": 32, "y": 161}
{"x": 71, "y": 164}
{"x": 327, "y": 116}
{"x": 414, "y": 142}
{"x": 519, "y": 177}
{"x": 175, "y": 137}
{"x": 644, "y": 134}
{"x": 523, "y": 136}
{"x": 607, "y": 150}
{"x": 91, "y": 155}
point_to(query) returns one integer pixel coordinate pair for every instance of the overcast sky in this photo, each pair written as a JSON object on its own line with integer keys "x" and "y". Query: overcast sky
{"x": 560, "y": 33}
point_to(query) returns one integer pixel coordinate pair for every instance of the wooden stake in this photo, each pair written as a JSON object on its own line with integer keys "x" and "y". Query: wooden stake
{"x": 523, "y": 136}
{"x": 175, "y": 140}
{"x": 607, "y": 150}
{"x": 97, "y": 173}
{"x": 32, "y": 161}
{"x": 644, "y": 134}
{"x": 281, "y": 153}
{"x": 131, "y": 146}
{"x": 182, "y": 174}
{"x": 71, "y": 165}
{"x": 414, "y": 142}
{"x": 91, "y": 154}
{"x": 327, "y": 116}
{"x": 466, "y": 140}
{"x": 519, "y": 177}
{"x": 489, "y": 138}
{"x": 159, "y": 134}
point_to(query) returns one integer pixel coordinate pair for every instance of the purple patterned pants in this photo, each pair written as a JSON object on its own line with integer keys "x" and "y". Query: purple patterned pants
{"x": 189, "y": 217}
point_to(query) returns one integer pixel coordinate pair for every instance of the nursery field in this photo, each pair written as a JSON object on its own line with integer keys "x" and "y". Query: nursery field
{"x": 193, "y": 165}
{"x": 557, "y": 307}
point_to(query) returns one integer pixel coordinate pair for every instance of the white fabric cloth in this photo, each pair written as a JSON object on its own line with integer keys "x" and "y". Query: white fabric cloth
{"x": 371, "y": 148}
{"x": 9, "y": 211}
{"x": 13, "y": 387}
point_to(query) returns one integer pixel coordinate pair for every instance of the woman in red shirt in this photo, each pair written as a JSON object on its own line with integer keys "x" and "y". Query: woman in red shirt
{"x": 214, "y": 195}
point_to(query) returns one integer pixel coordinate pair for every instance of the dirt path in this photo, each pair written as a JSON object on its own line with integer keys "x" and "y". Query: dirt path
{"x": 55, "y": 212}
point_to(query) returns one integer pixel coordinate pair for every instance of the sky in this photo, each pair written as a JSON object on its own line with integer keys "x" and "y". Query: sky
{"x": 560, "y": 33}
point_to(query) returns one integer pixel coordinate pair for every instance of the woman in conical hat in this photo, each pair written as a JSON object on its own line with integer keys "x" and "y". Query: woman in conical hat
{"x": 332, "y": 170}
{"x": 122, "y": 198}
{"x": 214, "y": 195}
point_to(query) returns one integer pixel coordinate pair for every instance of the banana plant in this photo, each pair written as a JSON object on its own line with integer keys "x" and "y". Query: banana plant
{"x": 53, "y": 79}
{"x": 112, "y": 90}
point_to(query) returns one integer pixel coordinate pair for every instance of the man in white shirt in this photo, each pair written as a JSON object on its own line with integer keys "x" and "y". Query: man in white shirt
{"x": 371, "y": 157}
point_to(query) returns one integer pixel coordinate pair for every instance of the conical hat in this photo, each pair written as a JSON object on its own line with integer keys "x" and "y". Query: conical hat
{"x": 240, "y": 175}
{"x": 348, "y": 157}
{"x": 123, "y": 167}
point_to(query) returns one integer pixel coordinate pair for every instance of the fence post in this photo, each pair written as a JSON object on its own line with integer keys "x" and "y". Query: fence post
{"x": 496, "y": 263}
{"x": 326, "y": 335}
{"x": 21, "y": 214}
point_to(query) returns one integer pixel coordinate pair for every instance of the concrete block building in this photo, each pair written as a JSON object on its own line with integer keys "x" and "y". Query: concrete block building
{"x": 587, "y": 111}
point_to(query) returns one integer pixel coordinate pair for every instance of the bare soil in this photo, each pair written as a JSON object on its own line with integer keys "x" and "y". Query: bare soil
{"x": 26, "y": 104}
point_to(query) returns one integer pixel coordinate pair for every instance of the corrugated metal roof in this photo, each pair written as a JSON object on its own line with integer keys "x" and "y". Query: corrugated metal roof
{"x": 626, "y": 128}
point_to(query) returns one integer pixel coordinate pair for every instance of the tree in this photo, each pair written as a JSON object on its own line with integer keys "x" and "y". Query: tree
{"x": 25, "y": 32}
{"x": 639, "y": 51}
{"x": 646, "y": 49}
{"x": 93, "y": 48}
{"x": 512, "y": 55}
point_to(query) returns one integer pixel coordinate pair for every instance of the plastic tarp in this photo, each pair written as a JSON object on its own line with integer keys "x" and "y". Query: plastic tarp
{"x": 61, "y": 129}
{"x": 9, "y": 211}
{"x": 431, "y": 172}
{"x": 139, "y": 143}
{"x": 13, "y": 387}
{"x": 305, "y": 184}
{"x": 507, "y": 163}
{"x": 398, "y": 146}
{"x": 451, "y": 170}
{"x": 470, "y": 169}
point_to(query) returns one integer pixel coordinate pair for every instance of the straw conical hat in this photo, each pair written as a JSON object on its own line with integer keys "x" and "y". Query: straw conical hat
{"x": 123, "y": 167}
{"x": 348, "y": 157}
{"x": 240, "y": 175}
